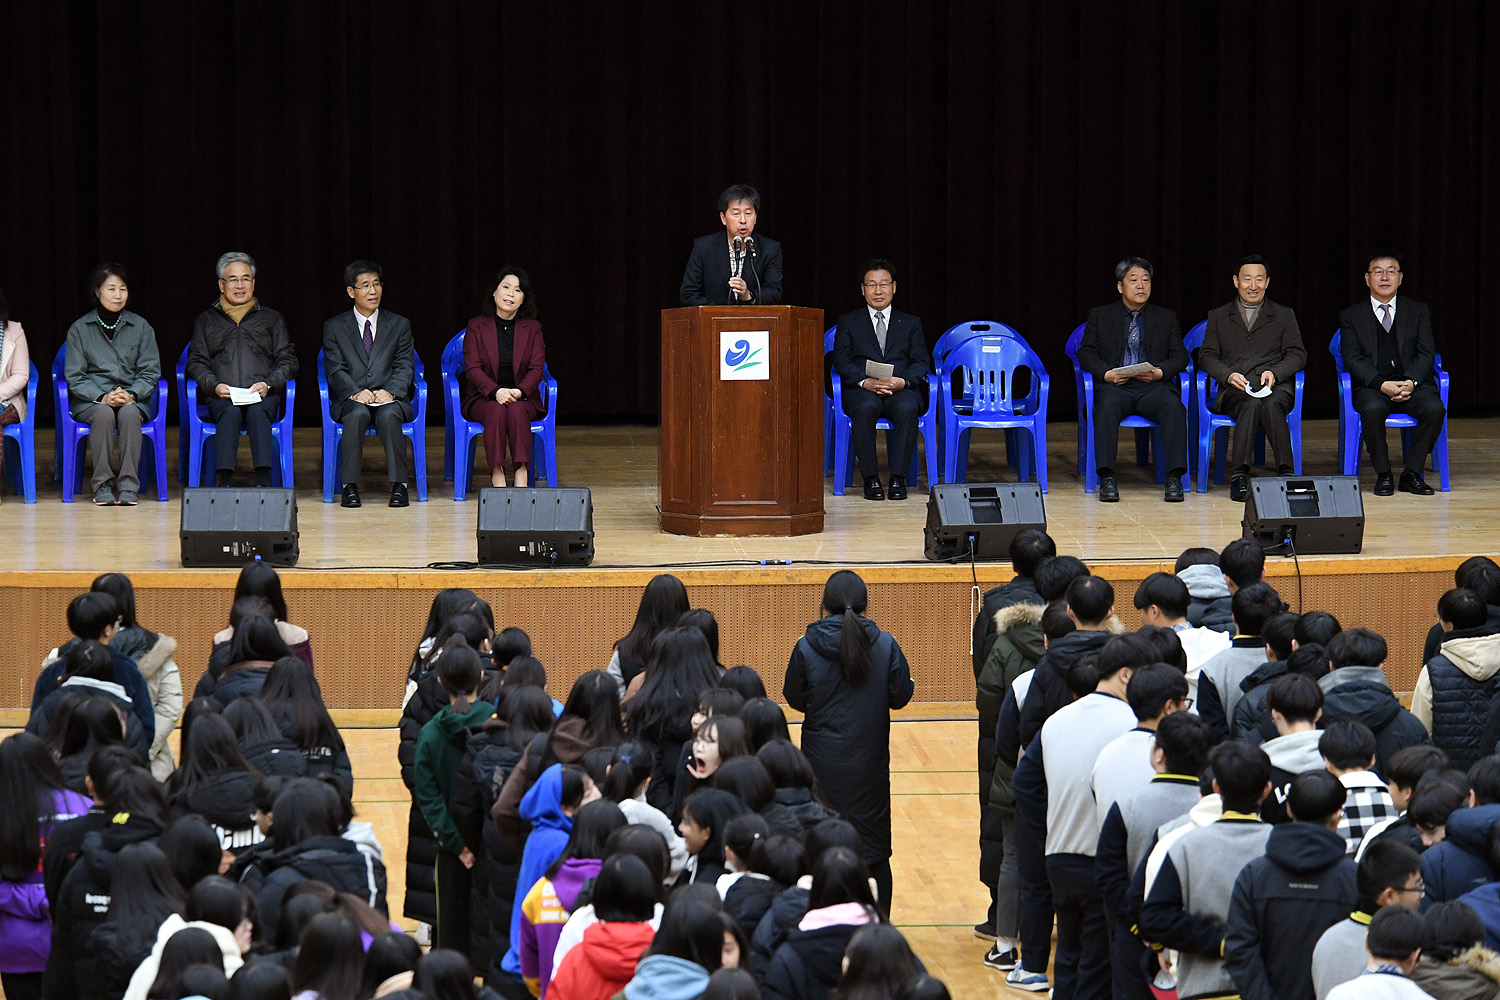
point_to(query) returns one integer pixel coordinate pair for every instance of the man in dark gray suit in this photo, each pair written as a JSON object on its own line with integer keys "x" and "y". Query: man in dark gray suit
{"x": 1388, "y": 352}
{"x": 368, "y": 356}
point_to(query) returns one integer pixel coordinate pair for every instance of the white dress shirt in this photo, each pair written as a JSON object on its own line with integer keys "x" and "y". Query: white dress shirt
{"x": 373, "y": 319}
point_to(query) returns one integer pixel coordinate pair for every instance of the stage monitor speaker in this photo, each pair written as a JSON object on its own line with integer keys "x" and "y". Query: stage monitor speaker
{"x": 1317, "y": 514}
{"x": 224, "y": 526}
{"x": 984, "y": 515}
{"x": 545, "y": 527}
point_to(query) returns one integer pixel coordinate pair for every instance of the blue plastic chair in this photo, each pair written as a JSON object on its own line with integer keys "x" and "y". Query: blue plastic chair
{"x": 414, "y": 429}
{"x": 196, "y": 430}
{"x": 838, "y": 432}
{"x": 461, "y": 435}
{"x": 1193, "y": 340}
{"x": 22, "y": 469}
{"x": 1145, "y": 430}
{"x": 68, "y": 447}
{"x": 990, "y": 365}
{"x": 1210, "y": 423}
{"x": 951, "y": 338}
{"x": 1349, "y": 422}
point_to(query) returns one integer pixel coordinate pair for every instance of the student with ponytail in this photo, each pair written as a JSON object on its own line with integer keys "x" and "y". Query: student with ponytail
{"x": 847, "y": 676}
{"x": 629, "y": 777}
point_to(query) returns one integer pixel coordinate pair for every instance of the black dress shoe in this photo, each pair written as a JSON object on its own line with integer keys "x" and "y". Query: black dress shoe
{"x": 1173, "y": 492}
{"x": 1109, "y": 490}
{"x": 351, "y": 496}
{"x": 872, "y": 488}
{"x": 1239, "y": 487}
{"x": 1385, "y": 484}
{"x": 1285, "y": 470}
{"x": 1412, "y": 482}
{"x": 398, "y": 495}
{"x": 897, "y": 489}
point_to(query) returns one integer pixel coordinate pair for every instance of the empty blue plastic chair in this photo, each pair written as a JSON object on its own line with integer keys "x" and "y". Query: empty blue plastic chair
{"x": 989, "y": 365}
{"x": 70, "y": 434}
{"x": 1210, "y": 423}
{"x": 460, "y": 435}
{"x": 1146, "y": 431}
{"x": 196, "y": 429}
{"x": 414, "y": 429}
{"x": 842, "y": 428}
{"x": 20, "y": 461}
{"x": 1349, "y": 422}
{"x": 951, "y": 338}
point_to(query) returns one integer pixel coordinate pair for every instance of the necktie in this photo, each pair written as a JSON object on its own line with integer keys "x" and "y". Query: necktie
{"x": 1385, "y": 316}
{"x": 1133, "y": 340}
{"x": 369, "y": 338}
{"x": 880, "y": 330}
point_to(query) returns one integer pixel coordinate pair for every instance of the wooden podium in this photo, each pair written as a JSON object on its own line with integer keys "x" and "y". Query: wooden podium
{"x": 741, "y": 420}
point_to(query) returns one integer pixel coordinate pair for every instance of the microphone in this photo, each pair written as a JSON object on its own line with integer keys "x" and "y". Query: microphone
{"x": 737, "y": 252}
{"x": 750, "y": 244}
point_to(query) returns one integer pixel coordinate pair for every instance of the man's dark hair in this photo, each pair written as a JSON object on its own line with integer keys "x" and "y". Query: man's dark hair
{"x": 1243, "y": 561}
{"x": 1248, "y": 259}
{"x": 1296, "y": 697}
{"x": 1118, "y": 651}
{"x": 1386, "y": 864}
{"x": 1316, "y": 627}
{"x": 90, "y": 613}
{"x": 873, "y": 264}
{"x": 1433, "y": 802}
{"x": 1184, "y": 740}
{"x": 1315, "y": 796}
{"x": 1484, "y": 780}
{"x": 1029, "y": 548}
{"x": 1124, "y": 266}
{"x": 1279, "y": 631}
{"x": 1394, "y": 934}
{"x": 739, "y": 192}
{"x": 1166, "y": 592}
{"x": 1242, "y": 771}
{"x": 1252, "y": 606}
{"x": 1348, "y": 746}
{"x": 1197, "y": 556}
{"x": 1055, "y": 622}
{"x": 1053, "y": 576}
{"x": 1152, "y": 688}
{"x": 1481, "y": 575}
{"x": 1462, "y": 608}
{"x": 358, "y": 267}
{"x": 1083, "y": 675}
{"x": 1407, "y": 765}
{"x": 1380, "y": 253}
{"x": 1166, "y": 647}
{"x": 1357, "y": 647}
{"x": 1309, "y": 661}
{"x": 1450, "y": 929}
{"x": 1090, "y": 598}
{"x": 1446, "y": 776}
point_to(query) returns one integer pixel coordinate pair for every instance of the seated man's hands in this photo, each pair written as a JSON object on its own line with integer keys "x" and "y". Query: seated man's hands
{"x": 1398, "y": 392}
{"x": 365, "y": 396}
{"x": 222, "y": 390}
{"x": 116, "y": 397}
{"x": 262, "y": 388}
{"x": 1154, "y": 375}
{"x": 1237, "y": 381}
{"x": 382, "y": 397}
{"x": 883, "y": 386}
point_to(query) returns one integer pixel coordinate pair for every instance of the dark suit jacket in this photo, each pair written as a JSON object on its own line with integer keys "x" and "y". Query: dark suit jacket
{"x": 481, "y": 366}
{"x": 706, "y": 280}
{"x": 1273, "y": 344}
{"x": 1359, "y": 342}
{"x": 854, "y": 343}
{"x": 1103, "y": 344}
{"x": 390, "y": 365}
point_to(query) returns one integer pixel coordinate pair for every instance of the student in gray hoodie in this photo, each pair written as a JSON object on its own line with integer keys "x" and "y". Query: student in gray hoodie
{"x": 1207, "y": 588}
{"x": 1389, "y": 874}
{"x": 1219, "y": 681}
{"x": 1296, "y": 705}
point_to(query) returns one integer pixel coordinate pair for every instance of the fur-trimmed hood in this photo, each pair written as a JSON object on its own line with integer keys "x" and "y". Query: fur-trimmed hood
{"x": 1008, "y": 618}
{"x": 1482, "y": 960}
{"x": 149, "y": 650}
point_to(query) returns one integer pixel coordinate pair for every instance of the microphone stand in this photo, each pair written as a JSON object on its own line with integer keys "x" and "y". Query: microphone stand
{"x": 753, "y": 256}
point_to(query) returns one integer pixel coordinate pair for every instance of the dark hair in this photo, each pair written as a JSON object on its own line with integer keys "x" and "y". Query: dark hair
{"x": 305, "y": 808}
{"x": 192, "y": 849}
{"x": 245, "y": 608}
{"x": 89, "y": 658}
{"x": 1152, "y": 688}
{"x": 1380, "y": 253}
{"x": 251, "y": 722}
{"x": 525, "y": 711}
{"x": 876, "y": 264}
{"x": 256, "y": 638}
{"x": 1029, "y": 546}
{"x": 1433, "y": 801}
{"x": 1082, "y": 677}
{"x": 1121, "y": 651}
{"x": 1450, "y": 929}
{"x": 720, "y": 701}
{"x": 1166, "y": 592}
{"x": 445, "y": 974}
{"x": 523, "y": 670}
{"x": 1054, "y": 576}
{"x": 1462, "y": 608}
{"x": 680, "y": 668}
{"x": 102, "y": 272}
{"x": 1395, "y": 933}
{"x": 879, "y": 960}
{"x": 1314, "y": 796}
{"x": 1296, "y": 697}
{"x": 712, "y": 809}
{"x": 1348, "y": 745}
{"x": 200, "y": 980}
{"x": 594, "y": 698}
{"x": 445, "y": 604}
{"x": 1197, "y": 556}
{"x": 728, "y": 734}
{"x": 510, "y": 643}
{"x": 189, "y": 946}
{"x": 529, "y": 305}
{"x": 330, "y": 958}
{"x": 595, "y": 763}
{"x": 923, "y": 986}
{"x": 764, "y": 721}
{"x": 107, "y": 761}
{"x": 134, "y": 792}
{"x": 1247, "y": 260}
{"x": 1484, "y": 780}
{"x": 216, "y": 900}
{"x": 690, "y": 930}
{"x": 787, "y": 766}
{"x": 468, "y": 627}
{"x": 118, "y": 586}
{"x": 390, "y": 955}
{"x": 1357, "y": 647}
{"x": 1481, "y": 575}
{"x": 641, "y": 841}
{"x": 778, "y": 857}
{"x": 267, "y": 786}
{"x": 744, "y": 681}
{"x": 743, "y": 832}
{"x": 1253, "y": 605}
{"x": 1090, "y": 598}
{"x": 1315, "y": 627}
{"x": 1278, "y": 632}
{"x": 291, "y": 692}
{"x": 259, "y": 579}
{"x": 1127, "y": 264}
{"x": 1184, "y": 739}
{"x": 1407, "y": 765}
{"x": 262, "y": 981}
{"x": 90, "y": 613}
{"x": 662, "y": 602}
{"x": 738, "y": 192}
{"x": 625, "y": 889}
{"x": 845, "y": 595}
{"x": 210, "y": 749}
{"x": 1242, "y": 772}
{"x": 633, "y": 763}
{"x": 840, "y": 876}
{"x": 703, "y": 620}
{"x": 1310, "y": 660}
{"x": 747, "y": 778}
{"x": 592, "y": 826}
{"x": 85, "y": 720}
{"x": 358, "y": 267}
{"x": 1386, "y": 864}
{"x": 829, "y": 833}
{"x": 1243, "y": 561}
{"x": 308, "y": 898}
{"x": 143, "y": 892}
{"x": 1165, "y": 646}
{"x": 731, "y": 984}
{"x": 458, "y": 670}
{"x": 1056, "y": 622}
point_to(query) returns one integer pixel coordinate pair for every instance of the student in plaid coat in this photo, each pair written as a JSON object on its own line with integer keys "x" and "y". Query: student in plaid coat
{"x": 1348, "y": 750}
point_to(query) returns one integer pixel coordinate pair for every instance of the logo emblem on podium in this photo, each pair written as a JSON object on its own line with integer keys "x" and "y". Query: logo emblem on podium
{"x": 744, "y": 355}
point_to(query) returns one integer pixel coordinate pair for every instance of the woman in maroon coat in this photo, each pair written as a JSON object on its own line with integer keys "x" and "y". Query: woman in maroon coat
{"x": 503, "y": 359}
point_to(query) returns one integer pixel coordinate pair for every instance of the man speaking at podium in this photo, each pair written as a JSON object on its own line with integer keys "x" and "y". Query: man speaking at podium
{"x": 734, "y": 267}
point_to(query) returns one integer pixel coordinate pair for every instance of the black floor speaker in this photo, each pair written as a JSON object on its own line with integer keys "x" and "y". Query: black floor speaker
{"x": 984, "y": 516}
{"x": 1317, "y": 514}
{"x": 542, "y": 527}
{"x": 224, "y": 526}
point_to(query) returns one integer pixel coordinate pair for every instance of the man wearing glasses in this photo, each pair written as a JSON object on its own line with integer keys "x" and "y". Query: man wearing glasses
{"x": 368, "y": 356}
{"x": 881, "y": 357}
{"x": 1388, "y": 353}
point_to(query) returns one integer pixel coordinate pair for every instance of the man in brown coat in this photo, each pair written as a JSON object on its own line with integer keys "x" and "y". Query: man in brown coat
{"x": 1252, "y": 345}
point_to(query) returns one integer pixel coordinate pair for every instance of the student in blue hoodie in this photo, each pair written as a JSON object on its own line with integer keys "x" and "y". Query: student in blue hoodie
{"x": 1460, "y": 864}
{"x": 95, "y": 615}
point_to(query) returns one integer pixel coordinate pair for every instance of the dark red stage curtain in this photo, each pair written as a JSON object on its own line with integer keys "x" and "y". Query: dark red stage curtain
{"x": 1005, "y": 155}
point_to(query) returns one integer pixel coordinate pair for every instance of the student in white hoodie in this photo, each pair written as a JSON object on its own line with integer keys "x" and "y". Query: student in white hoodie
{"x": 1163, "y": 600}
{"x": 215, "y": 905}
{"x": 1296, "y": 705}
{"x": 1456, "y": 688}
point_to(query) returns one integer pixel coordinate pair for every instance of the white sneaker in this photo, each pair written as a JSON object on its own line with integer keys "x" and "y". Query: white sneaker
{"x": 423, "y": 935}
{"x": 1032, "y": 982}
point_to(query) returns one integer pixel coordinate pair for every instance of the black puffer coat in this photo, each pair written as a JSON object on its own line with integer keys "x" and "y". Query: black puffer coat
{"x": 801, "y": 804}
{"x": 137, "y": 737}
{"x": 488, "y": 761}
{"x": 117, "y": 959}
{"x": 241, "y": 682}
{"x": 331, "y": 860}
{"x": 1361, "y": 694}
{"x": 421, "y": 848}
{"x": 786, "y": 910}
{"x": 1049, "y": 689}
{"x": 749, "y": 899}
{"x": 280, "y": 757}
{"x": 227, "y": 803}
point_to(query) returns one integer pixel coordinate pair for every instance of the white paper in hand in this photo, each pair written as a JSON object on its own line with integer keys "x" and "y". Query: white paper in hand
{"x": 1260, "y": 393}
{"x": 243, "y": 397}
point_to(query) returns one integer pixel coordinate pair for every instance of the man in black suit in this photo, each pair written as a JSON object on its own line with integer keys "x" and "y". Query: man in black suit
{"x": 880, "y": 334}
{"x": 734, "y": 267}
{"x": 371, "y": 367}
{"x": 1388, "y": 353}
{"x": 1128, "y": 332}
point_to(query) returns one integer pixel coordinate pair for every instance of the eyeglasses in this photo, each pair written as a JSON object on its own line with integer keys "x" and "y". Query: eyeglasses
{"x": 1385, "y": 272}
{"x": 1420, "y": 888}
{"x": 366, "y": 286}
{"x": 879, "y": 286}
